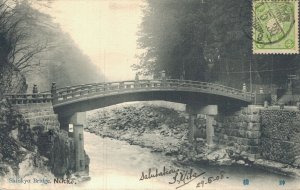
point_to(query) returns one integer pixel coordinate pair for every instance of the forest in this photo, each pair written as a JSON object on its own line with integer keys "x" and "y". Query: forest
{"x": 193, "y": 39}
{"x": 208, "y": 40}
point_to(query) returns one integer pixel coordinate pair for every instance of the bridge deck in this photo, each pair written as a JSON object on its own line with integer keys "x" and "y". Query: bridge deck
{"x": 69, "y": 94}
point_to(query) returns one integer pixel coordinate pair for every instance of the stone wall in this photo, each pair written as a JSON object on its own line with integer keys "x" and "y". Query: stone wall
{"x": 240, "y": 129}
{"x": 280, "y": 139}
{"x": 270, "y": 133}
{"x": 41, "y": 114}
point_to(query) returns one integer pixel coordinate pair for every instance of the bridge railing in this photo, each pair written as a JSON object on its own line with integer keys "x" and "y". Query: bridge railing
{"x": 29, "y": 98}
{"x": 148, "y": 83}
{"x": 66, "y": 93}
{"x": 114, "y": 87}
{"x": 216, "y": 88}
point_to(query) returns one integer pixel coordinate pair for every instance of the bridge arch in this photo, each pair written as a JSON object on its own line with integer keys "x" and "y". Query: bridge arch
{"x": 81, "y": 98}
{"x": 69, "y": 103}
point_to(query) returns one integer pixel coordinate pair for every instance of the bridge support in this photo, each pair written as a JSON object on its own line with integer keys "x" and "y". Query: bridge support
{"x": 210, "y": 111}
{"x": 192, "y": 125}
{"x": 78, "y": 120}
{"x": 210, "y": 130}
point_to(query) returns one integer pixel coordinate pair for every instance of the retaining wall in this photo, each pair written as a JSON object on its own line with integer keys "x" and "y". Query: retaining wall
{"x": 270, "y": 133}
{"x": 241, "y": 129}
{"x": 280, "y": 131}
{"x": 39, "y": 114}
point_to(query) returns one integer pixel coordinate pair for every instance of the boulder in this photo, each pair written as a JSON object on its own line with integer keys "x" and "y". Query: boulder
{"x": 224, "y": 161}
{"x": 217, "y": 155}
{"x": 241, "y": 162}
{"x": 180, "y": 157}
{"x": 297, "y": 162}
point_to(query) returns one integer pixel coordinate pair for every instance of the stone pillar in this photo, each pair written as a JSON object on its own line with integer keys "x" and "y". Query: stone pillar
{"x": 210, "y": 111}
{"x": 34, "y": 92}
{"x": 79, "y": 147}
{"x": 121, "y": 85}
{"x": 136, "y": 81}
{"x": 191, "y": 132}
{"x": 34, "y": 89}
{"x": 209, "y": 130}
{"x": 137, "y": 78}
{"x": 79, "y": 120}
{"x": 244, "y": 87}
{"x": 266, "y": 104}
{"x": 261, "y": 90}
{"x": 163, "y": 77}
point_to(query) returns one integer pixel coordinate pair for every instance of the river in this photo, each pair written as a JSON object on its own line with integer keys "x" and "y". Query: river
{"x": 118, "y": 165}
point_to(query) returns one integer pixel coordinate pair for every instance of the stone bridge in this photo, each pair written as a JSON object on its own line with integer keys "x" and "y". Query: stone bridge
{"x": 71, "y": 103}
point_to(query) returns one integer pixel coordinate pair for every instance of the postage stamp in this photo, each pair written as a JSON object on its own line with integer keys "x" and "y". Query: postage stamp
{"x": 275, "y": 27}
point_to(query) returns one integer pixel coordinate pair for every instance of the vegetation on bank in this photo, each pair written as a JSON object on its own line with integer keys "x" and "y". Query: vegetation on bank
{"x": 35, "y": 50}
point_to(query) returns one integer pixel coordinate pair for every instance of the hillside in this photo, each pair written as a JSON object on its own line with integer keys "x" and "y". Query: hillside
{"x": 62, "y": 61}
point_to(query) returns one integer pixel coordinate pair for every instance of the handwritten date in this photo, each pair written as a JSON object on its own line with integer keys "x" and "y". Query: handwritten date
{"x": 211, "y": 179}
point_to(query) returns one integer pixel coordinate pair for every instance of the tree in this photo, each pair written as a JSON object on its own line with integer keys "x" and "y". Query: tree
{"x": 207, "y": 40}
{"x": 167, "y": 36}
{"x": 16, "y": 51}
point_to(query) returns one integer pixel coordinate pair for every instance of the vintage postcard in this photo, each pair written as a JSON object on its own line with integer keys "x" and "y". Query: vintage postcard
{"x": 149, "y": 95}
{"x": 275, "y": 27}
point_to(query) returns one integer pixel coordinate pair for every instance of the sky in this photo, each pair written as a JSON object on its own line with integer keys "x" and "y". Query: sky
{"x": 105, "y": 30}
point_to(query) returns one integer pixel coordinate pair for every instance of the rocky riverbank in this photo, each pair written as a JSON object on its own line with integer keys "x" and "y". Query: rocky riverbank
{"x": 28, "y": 150}
{"x": 161, "y": 129}
{"x": 165, "y": 130}
{"x": 19, "y": 155}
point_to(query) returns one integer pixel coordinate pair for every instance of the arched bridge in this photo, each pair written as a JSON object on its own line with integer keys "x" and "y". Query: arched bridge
{"x": 70, "y": 103}
{"x": 69, "y": 100}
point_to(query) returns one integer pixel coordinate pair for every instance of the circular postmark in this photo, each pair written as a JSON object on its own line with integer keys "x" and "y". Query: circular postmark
{"x": 270, "y": 22}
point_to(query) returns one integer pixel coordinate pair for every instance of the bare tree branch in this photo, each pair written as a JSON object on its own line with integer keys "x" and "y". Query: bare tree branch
{"x": 17, "y": 51}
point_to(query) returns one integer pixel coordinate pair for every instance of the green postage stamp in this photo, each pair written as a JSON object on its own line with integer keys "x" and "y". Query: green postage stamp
{"x": 275, "y": 26}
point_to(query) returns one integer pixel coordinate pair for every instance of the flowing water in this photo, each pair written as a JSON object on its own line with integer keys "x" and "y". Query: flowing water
{"x": 118, "y": 165}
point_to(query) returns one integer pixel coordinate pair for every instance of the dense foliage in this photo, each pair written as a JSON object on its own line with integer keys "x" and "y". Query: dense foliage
{"x": 208, "y": 41}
